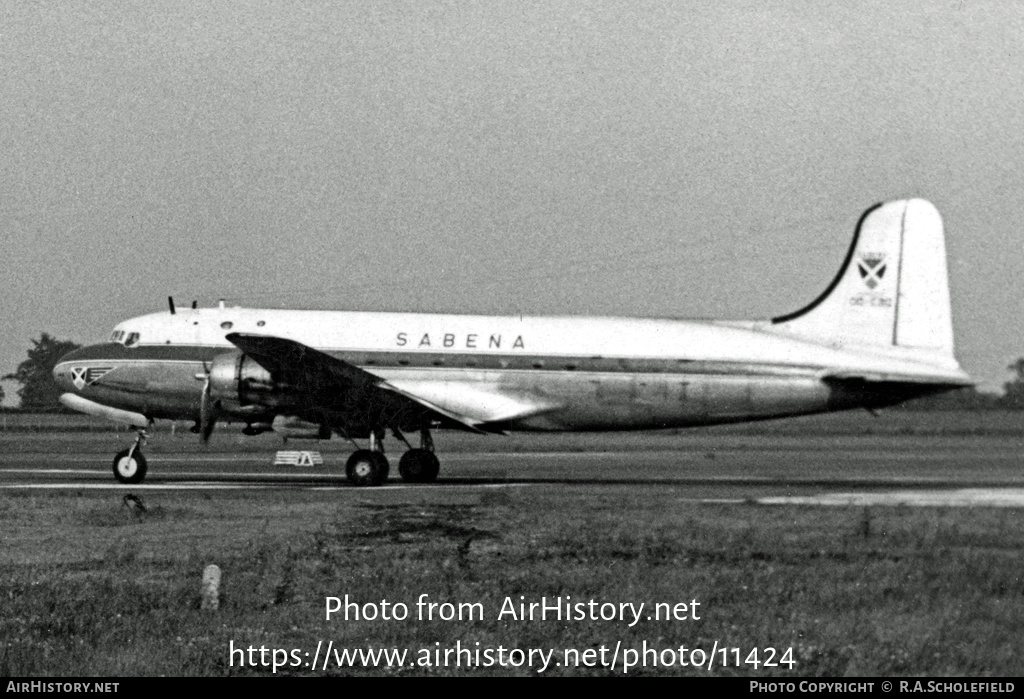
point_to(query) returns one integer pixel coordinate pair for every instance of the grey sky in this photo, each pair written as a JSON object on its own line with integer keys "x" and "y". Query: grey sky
{"x": 614, "y": 158}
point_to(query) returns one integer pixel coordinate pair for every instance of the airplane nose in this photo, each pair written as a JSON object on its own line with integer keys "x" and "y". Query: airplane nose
{"x": 62, "y": 372}
{"x": 60, "y": 377}
{"x": 80, "y": 353}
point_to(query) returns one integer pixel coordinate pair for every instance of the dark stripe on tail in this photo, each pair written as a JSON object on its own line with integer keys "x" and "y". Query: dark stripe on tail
{"x": 838, "y": 278}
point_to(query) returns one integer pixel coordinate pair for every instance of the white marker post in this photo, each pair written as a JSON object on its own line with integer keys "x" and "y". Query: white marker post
{"x": 210, "y": 591}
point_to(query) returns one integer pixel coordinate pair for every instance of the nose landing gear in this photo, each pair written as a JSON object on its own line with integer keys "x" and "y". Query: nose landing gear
{"x": 130, "y": 465}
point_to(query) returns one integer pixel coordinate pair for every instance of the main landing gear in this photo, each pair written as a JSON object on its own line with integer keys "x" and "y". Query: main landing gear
{"x": 130, "y": 465}
{"x": 369, "y": 467}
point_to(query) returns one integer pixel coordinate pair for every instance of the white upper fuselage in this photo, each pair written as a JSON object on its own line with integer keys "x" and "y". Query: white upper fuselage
{"x": 534, "y": 336}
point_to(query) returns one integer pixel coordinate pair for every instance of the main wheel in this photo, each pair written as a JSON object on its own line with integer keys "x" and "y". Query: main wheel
{"x": 367, "y": 468}
{"x": 419, "y": 466}
{"x": 129, "y": 469}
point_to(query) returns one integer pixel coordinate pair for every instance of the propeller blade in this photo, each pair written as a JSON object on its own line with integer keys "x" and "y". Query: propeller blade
{"x": 207, "y": 413}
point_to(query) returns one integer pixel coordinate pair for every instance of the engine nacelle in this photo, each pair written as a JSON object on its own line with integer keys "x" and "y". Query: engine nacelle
{"x": 289, "y": 427}
{"x": 237, "y": 380}
{"x": 293, "y": 428}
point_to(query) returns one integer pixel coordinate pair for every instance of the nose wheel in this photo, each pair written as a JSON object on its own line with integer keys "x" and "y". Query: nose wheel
{"x": 130, "y": 465}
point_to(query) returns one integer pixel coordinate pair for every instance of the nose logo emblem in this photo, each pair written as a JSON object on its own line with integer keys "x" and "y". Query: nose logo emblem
{"x": 80, "y": 376}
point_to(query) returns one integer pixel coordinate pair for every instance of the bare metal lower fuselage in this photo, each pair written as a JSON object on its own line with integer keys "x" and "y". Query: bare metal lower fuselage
{"x": 580, "y": 394}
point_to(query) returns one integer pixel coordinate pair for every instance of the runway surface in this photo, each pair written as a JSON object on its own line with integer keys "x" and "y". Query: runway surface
{"x": 818, "y": 470}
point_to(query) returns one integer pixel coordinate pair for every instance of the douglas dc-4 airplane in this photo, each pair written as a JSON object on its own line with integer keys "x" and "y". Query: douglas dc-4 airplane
{"x": 879, "y": 334}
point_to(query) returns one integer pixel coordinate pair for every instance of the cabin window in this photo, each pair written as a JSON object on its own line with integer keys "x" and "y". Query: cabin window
{"x": 227, "y": 325}
{"x": 260, "y": 323}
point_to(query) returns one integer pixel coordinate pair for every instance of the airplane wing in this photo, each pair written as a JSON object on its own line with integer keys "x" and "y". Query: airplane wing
{"x": 351, "y": 395}
{"x": 481, "y": 403}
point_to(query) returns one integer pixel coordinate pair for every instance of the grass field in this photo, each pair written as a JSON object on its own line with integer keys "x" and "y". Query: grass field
{"x": 96, "y": 590}
{"x": 89, "y": 587}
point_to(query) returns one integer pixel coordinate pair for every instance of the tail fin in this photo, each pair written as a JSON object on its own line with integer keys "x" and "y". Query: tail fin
{"x": 892, "y": 290}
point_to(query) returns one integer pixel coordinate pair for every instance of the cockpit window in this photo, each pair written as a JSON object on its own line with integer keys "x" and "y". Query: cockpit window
{"x": 131, "y": 340}
{"x": 117, "y": 336}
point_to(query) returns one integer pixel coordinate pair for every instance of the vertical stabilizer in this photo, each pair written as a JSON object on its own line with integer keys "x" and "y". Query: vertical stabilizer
{"x": 892, "y": 290}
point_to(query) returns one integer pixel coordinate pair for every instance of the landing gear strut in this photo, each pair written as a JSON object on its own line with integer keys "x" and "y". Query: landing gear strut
{"x": 369, "y": 467}
{"x": 130, "y": 465}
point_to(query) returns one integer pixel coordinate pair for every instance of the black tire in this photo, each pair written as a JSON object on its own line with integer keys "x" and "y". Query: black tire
{"x": 131, "y": 470}
{"x": 367, "y": 468}
{"x": 419, "y": 466}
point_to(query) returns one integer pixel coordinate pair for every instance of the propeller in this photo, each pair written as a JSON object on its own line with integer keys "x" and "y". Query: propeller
{"x": 207, "y": 407}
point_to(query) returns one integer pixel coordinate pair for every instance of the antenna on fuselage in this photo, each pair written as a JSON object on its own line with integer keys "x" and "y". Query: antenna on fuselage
{"x": 170, "y": 302}
{"x": 195, "y": 305}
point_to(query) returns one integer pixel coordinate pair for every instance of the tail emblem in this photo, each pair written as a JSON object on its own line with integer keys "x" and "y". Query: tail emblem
{"x": 872, "y": 269}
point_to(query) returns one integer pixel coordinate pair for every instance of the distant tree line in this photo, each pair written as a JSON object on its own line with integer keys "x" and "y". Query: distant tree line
{"x": 39, "y": 393}
{"x": 968, "y": 398}
{"x": 1013, "y": 391}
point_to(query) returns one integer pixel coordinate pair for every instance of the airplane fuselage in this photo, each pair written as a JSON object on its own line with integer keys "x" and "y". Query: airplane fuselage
{"x": 524, "y": 373}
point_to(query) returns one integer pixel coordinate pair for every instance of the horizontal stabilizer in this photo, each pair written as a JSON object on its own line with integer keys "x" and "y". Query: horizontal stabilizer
{"x": 944, "y": 380}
